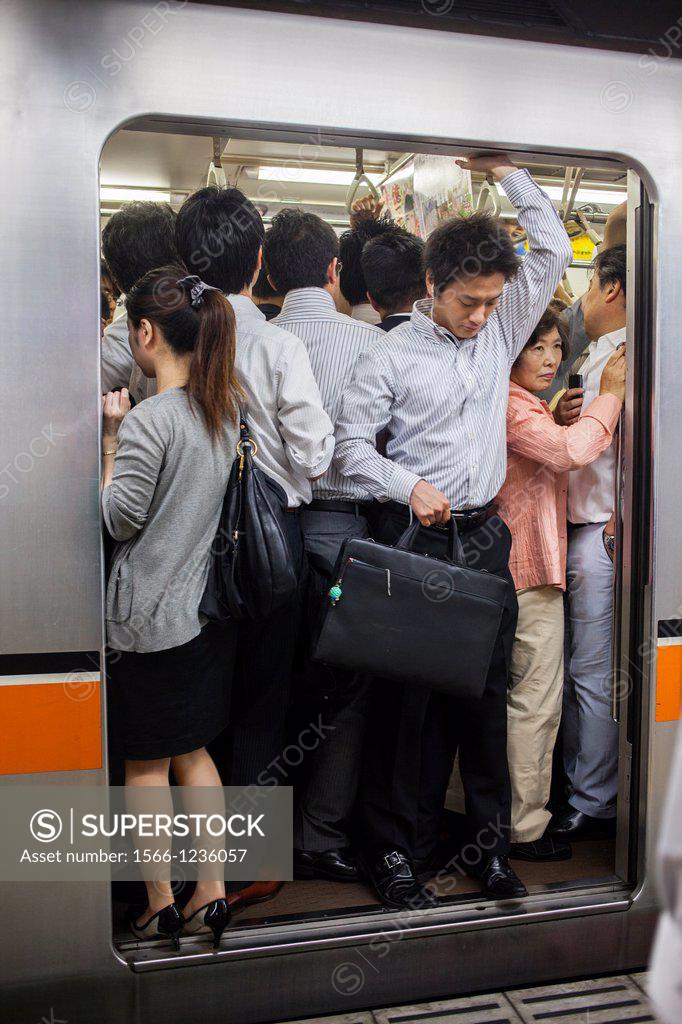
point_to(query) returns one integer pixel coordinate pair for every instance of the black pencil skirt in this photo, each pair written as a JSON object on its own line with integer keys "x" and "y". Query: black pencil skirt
{"x": 170, "y": 702}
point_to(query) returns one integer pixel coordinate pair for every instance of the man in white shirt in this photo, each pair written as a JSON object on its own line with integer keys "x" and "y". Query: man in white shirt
{"x": 301, "y": 254}
{"x": 590, "y": 735}
{"x": 220, "y": 238}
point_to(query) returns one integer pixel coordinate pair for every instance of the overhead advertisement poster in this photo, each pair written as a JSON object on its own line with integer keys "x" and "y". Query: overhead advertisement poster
{"x": 442, "y": 189}
{"x": 426, "y": 191}
{"x": 398, "y": 194}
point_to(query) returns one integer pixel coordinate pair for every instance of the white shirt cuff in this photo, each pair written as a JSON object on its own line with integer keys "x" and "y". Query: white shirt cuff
{"x": 401, "y": 484}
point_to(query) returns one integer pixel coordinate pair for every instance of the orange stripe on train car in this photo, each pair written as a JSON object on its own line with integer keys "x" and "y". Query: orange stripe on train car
{"x": 669, "y": 683}
{"x": 50, "y": 727}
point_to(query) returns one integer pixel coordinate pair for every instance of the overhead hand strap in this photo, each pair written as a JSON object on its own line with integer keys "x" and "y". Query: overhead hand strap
{"x": 359, "y": 179}
{"x": 489, "y": 193}
{"x": 216, "y": 171}
{"x": 572, "y": 179}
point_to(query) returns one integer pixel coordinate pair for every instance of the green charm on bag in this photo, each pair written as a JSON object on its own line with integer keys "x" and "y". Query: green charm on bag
{"x": 335, "y": 593}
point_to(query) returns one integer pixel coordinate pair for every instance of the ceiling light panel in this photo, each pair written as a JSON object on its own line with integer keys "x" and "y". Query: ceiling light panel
{"x": 298, "y": 175}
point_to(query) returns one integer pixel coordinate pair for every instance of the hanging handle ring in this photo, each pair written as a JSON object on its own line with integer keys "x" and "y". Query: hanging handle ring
{"x": 359, "y": 179}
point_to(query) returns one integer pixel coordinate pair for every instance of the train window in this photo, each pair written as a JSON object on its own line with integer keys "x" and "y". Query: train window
{"x": 418, "y": 188}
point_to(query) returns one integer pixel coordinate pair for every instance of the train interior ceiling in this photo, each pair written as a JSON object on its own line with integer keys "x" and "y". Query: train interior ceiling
{"x": 166, "y": 167}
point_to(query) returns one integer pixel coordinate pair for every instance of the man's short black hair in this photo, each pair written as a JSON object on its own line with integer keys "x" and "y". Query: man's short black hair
{"x": 219, "y": 233}
{"x": 473, "y": 246}
{"x": 298, "y": 250}
{"x": 393, "y": 267}
{"x": 139, "y": 237}
{"x": 352, "y": 242}
{"x": 611, "y": 266}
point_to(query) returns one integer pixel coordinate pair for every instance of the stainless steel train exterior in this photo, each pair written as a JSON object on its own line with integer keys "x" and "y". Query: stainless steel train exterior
{"x": 73, "y": 73}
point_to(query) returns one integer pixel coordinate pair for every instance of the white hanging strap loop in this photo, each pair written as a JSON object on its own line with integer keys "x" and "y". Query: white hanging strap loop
{"x": 216, "y": 173}
{"x": 574, "y": 192}
{"x": 568, "y": 177}
{"x": 581, "y": 218}
{"x": 489, "y": 193}
{"x": 359, "y": 179}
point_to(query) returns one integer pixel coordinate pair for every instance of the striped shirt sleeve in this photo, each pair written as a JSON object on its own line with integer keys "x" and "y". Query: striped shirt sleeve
{"x": 526, "y": 297}
{"x": 366, "y": 408}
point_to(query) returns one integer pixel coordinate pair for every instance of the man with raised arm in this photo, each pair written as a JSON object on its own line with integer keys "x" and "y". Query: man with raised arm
{"x": 438, "y": 385}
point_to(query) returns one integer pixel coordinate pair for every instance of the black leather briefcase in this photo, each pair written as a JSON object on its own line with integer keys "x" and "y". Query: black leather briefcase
{"x": 398, "y": 614}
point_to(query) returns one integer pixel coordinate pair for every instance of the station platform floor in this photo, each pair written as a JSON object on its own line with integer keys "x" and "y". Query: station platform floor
{"x": 621, "y": 999}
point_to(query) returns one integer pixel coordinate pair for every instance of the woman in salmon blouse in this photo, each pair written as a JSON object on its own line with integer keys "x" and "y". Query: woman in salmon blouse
{"x": 533, "y": 504}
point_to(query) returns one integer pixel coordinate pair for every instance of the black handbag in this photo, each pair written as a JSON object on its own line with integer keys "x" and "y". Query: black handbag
{"x": 251, "y": 571}
{"x": 402, "y": 615}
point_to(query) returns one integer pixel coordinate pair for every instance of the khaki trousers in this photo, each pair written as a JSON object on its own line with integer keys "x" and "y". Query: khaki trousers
{"x": 534, "y": 707}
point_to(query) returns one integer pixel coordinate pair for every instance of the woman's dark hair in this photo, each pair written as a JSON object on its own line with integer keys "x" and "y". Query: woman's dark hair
{"x": 393, "y": 267}
{"x": 551, "y": 318}
{"x": 107, "y": 283}
{"x": 219, "y": 233}
{"x": 610, "y": 266}
{"x": 298, "y": 250}
{"x": 208, "y": 332}
{"x": 351, "y": 243}
{"x": 139, "y": 237}
{"x": 105, "y": 305}
{"x": 473, "y": 246}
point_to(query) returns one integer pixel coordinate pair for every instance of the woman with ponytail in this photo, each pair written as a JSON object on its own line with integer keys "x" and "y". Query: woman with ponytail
{"x": 165, "y": 470}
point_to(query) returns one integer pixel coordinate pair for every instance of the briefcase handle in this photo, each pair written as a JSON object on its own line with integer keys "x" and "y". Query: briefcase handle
{"x": 455, "y": 552}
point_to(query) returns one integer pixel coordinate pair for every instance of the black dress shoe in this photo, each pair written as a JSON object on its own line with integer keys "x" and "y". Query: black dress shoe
{"x": 499, "y": 879}
{"x": 255, "y": 892}
{"x": 544, "y": 848}
{"x": 571, "y": 825}
{"x": 338, "y": 865}
{"x": 395, "y": 883}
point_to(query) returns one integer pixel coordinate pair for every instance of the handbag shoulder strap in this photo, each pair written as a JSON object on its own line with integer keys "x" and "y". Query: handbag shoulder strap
{"x": 246, "y": 445}
{"x": 244, "y": 432}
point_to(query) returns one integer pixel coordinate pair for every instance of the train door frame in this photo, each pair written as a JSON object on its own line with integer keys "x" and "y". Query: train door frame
{"x": 631, "y": 694}
{"x": 563, "y": 897}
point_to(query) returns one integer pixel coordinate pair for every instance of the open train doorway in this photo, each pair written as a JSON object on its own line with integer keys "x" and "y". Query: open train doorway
{"x": 415, "y": 186}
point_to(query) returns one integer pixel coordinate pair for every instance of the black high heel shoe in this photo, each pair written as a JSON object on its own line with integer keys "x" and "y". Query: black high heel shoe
{"x": 216, "y": 917}
{"x": 167, "y": 923}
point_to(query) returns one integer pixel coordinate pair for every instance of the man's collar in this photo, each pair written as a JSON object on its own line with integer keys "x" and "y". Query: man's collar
{"x": 304, "y": 301}
{"x": 245, "y": 307}
{"x": 613, "y": 338}
{"x": 422, "y": 320}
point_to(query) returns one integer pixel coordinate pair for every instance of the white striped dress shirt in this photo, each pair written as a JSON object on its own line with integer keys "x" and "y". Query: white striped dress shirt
{"x": 334, "y": 342}
{"x": 442, "y": 399}
{"x": 294, "y": 434}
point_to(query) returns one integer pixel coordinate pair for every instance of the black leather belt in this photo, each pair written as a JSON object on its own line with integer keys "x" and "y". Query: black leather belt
{"x": 355, "y": 508}
{"x": 466, "y": 519}
{"x": 470, "y": 518}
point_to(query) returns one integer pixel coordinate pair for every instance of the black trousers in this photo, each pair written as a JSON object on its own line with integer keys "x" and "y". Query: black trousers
{"x": 338, "y": 701}
{"x": 260, "y": 696}
{"x": 414, "y": 733}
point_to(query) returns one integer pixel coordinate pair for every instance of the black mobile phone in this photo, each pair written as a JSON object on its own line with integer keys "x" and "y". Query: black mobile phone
{"x": 575, "y": 380}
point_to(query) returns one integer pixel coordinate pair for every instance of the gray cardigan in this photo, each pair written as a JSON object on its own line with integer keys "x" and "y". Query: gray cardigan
{"x": 163, "y": 507}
